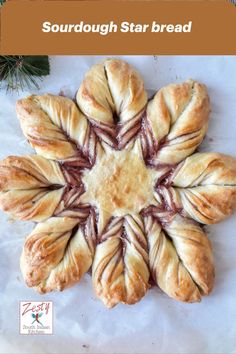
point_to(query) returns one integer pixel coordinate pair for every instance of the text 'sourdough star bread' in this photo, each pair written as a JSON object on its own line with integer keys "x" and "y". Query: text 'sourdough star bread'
{"x": 116, "y": 187}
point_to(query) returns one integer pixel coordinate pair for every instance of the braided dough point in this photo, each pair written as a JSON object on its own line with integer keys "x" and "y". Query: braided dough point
{"x": 171, "y": 259}
{"x": 55, "y": 256}
{"x": 29, "y": 172}
{"x": 24, "y": 187}
{"x": 53, "y": 125}
{"x": 178, "y": 118}
{"x": 207, "y": 186}
{"x": 111, "y": 87}
{"x": 120, "y": 268}
{"x": 34, "y": 204}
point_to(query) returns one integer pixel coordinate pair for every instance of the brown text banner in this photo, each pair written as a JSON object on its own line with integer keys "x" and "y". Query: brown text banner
{"x": 118, "y": 27}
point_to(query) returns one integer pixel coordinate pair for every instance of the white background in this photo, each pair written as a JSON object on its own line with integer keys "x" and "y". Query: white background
{"x": 157, "y": 324}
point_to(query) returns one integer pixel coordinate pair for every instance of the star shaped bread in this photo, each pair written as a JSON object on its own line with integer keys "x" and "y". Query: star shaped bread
{"x": 117, "y": 187}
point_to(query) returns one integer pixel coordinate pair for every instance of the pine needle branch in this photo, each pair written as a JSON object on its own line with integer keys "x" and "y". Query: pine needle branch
{"x": 20, "y": 72}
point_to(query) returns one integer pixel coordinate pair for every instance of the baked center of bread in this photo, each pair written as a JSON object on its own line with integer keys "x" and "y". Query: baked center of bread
{"x": 119, "y": 183}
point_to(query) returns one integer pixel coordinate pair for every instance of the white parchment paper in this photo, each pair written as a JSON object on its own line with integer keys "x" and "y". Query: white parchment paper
{"x": 157, "y": 324}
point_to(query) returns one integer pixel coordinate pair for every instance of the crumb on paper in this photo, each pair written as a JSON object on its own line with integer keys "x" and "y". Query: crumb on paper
{"x": 61, "y": 93}
{"x": 206, "y": 229}
{"x": 86, "y": 346}
{"x": 65, "y": 91}
{"x": 23, "y": 142}
{"x": 11, "y": 220}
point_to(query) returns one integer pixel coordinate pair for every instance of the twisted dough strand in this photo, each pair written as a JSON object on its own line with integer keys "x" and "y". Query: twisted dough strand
{"x": 29, "y": 172}
{"x": 171, "y": 260}
{"x": 70, "y": 205}
{"x": 24, "y": 186}
{"x": 56, "y": 128}
{"x": 120, "y": 270}
{"x": 55, "y": 255}
{"x": 110, "y": 90}
{"x": 176, "y": 122}
{"x": 111, "y": 87}
{"x": 206, "y": 184}
{"x": 34, "y": 204}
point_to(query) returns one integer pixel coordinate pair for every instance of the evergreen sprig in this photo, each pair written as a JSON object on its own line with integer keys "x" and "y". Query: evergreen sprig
{"x": 21, "y": 71}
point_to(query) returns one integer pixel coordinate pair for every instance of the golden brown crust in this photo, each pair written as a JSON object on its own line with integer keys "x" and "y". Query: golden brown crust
{"x": 120, "y": 271}
{"x": 49, "y": 122}
{"x": 94, "y": 97}
{"x": 54, "y": 256}
{"x": 209, "y": 168}
{"x": 178, "y": 117}
{"x": 207, "y": 186}
{"x": 182, "y": 263}
{"x": 24, "y": 187}
{"x": 29, "y": 172}
{"x": 127, "y": 89}
{"x": 34, "y": 204}
{"x": 111, "y": 87}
